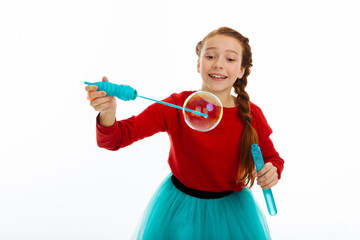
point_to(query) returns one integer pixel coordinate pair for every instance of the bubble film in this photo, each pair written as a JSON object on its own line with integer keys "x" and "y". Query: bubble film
{"x": 203, "y": 102}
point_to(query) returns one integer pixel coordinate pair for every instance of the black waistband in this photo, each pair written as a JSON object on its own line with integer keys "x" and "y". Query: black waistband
{"x": 198, "y": 193}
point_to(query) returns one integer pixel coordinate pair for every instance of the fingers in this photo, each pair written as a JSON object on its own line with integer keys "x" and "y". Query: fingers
{"x": 92, "y": 91}
{"x": 89, "y": 96}
{"x": 254, "y": 173}
{"x": 270, "y": 185}
{"x": 99, "y": 100}
{"x": 265, "y": 169}
{"x": 103, "y": 103}
{"x": 91, "y": 88}
{"x": 268, "y": 176}
{"x": 92, "y": 95}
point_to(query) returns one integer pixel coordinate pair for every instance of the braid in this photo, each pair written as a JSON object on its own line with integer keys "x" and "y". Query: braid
{"x": 243, "y": 98}
{"x": 249, "y": 135}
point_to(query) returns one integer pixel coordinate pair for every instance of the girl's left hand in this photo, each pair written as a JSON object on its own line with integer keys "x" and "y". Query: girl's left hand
{"x": 268, "y": 176}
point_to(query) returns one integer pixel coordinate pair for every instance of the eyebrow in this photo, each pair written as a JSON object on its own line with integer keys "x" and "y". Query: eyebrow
{"x": 228, "y": 50}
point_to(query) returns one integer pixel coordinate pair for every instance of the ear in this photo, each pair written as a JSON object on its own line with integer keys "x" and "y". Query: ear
{"x": 241, "y": 73}
{"x": 198, "y": 65}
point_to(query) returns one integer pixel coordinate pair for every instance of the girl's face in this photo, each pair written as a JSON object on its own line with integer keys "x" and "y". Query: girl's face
{"x": 219, "y": 64}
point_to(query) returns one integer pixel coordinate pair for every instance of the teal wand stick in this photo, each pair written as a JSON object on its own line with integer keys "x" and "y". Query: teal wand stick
{"x": 259, "y": 164}
{"x": 176, "y": 106}
{"x": 127, "y": 93}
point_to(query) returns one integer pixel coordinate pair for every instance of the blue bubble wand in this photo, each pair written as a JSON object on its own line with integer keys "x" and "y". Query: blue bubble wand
{"x": 259, "y": 164}
{"x": 127, "y": 93}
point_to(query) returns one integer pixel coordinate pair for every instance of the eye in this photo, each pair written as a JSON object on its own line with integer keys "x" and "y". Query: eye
{"x": 209, "y": 57}
{"x": 231, "y": 60}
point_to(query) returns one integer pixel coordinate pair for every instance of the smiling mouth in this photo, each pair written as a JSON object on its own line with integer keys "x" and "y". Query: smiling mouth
{"x": 217, "y": 76}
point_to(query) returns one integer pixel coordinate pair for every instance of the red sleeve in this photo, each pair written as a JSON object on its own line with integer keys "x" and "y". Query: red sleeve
{"x": 264, "y": 131}
{"x": 127, "y": 131}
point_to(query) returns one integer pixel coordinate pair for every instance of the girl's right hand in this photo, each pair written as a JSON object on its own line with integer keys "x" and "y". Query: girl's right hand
{"x": 99, "y": 100}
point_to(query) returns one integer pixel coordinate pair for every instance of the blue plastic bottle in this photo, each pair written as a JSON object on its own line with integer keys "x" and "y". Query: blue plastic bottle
{"x": 259, "y": 164}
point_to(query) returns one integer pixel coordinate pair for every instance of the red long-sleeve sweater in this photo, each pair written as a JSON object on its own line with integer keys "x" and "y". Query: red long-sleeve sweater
{"x": 205, "y": 161}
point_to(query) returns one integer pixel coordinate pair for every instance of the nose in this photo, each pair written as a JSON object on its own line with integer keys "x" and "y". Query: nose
{"x": 219, "y": 63}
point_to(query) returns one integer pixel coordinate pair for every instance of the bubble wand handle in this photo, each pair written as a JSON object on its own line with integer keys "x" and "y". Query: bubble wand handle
{"x": 127, "y": 93}
{"x": 122, "y": 92}
{"x": 259, "y": 164}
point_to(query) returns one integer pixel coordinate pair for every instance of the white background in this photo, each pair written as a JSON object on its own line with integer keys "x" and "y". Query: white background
{"x": 55, "y": 183}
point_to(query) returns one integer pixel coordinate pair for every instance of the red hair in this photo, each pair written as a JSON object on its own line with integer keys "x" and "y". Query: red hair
{"x": 249, "y": 135}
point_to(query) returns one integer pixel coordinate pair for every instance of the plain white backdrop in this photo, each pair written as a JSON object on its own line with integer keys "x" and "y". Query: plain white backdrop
{"x": 55, "y": 183}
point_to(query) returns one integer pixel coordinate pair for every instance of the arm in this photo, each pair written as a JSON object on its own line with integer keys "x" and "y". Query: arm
{"x": 112, "y": 134}
{"x": 107, "y": 119}
{"x": 271, "y": 155}
{"x": 125, "y": 132}
{"x": 274, "y": 164}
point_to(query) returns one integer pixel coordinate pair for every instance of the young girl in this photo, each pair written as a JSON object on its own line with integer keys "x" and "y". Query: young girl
{"x": 207, "y": 194}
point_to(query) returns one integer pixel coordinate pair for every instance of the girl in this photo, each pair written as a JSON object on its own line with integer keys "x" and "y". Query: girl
{"x": 207, "y": 194}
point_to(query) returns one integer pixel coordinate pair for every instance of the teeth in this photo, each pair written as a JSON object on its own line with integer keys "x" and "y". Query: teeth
{"x": 216, "y": 76}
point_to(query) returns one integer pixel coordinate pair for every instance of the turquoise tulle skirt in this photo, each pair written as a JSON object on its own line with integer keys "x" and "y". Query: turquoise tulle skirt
{"x": 172, "y": 214}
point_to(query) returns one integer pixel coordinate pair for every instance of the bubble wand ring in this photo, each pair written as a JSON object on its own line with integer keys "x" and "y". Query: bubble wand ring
{"x": 207, "y": 103}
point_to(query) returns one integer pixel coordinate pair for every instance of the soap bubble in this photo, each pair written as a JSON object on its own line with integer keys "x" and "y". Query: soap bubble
{"x": 206, "y": 103}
